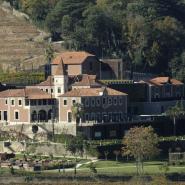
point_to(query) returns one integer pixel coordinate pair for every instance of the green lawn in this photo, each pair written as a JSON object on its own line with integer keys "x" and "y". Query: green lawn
{"x": 113, "y": 167}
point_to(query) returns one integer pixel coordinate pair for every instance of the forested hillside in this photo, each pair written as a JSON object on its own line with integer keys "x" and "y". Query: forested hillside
{"x": 148, "y": 34}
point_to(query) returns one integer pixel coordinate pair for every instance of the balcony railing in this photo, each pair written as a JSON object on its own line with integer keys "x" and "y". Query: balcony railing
{"x": 126, "y": 120}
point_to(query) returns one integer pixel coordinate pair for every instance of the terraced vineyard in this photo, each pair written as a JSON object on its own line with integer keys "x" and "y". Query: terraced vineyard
{"x": 20, "y": 47}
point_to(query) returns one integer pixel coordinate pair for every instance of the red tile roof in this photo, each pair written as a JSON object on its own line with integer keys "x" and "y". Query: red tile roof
{"x": 85, "y": 92}
{"x": 163, "y": 80}
{"x": 160, "y": 81}
{"x": 29, "y": 93}
{"x": 88, "y": 80}
{"x": 73, "y": 57}
{"x": 48, "y": 82}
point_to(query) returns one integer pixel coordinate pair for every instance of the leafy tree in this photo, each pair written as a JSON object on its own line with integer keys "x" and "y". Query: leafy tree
{"x": 174, "y": 113}
{"x": 77, "y": 112}
{"x": 116, "y": 153}
{"x": 140, "y": 143}
{"x": 37, "y": 10}
{"x": 101, "y": 30}
{"x": 72, "y": 8}
{"x": 148, "y": 34}
{"x": 75, "y": 145}
{"x": 177, "y": 66}
{"x": 135, "y": 37}
{"x": 67, "y": 26}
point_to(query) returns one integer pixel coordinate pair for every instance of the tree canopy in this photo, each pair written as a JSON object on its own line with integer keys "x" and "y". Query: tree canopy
{"x": 140, "y": 143}
{"x": 148, "y": 34}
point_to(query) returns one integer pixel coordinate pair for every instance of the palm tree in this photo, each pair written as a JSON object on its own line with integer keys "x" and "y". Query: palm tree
{"x": 49, "y": 55}
{"x": 174, "y": 113}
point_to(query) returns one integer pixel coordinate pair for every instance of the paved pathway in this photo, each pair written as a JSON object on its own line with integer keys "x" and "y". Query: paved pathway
{"x": 92, "y": 161}
{"x": 77, "y": 166}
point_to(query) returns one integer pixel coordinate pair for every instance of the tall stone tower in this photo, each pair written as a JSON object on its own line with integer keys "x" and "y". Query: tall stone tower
{"x": 60, "y": 79}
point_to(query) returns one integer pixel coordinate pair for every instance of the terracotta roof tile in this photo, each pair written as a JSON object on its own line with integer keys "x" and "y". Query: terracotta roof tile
{"x": 74, "y": 57}
{"x": 92, "y": 92}
{"x": 29, "y": 93}
{"x": 48, "y": 82}
{"x": 163, "y": 80}
{"x": 176, "y": 82}
{"x": 88, "y": 80}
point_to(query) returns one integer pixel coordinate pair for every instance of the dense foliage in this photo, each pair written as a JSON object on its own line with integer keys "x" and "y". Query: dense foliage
{"x": 148, "y": 34}
{"x": 141, "y": 143}
{"x": 22, "y": 78}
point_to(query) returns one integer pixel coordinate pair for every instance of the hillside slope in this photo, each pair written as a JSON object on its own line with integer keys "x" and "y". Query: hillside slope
{"x": 21, "y": 46}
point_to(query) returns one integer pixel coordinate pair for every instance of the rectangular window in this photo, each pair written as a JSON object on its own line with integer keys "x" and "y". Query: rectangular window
{"x": 20, "y": 102}
{"x": 97, "y": 134}
{"x": 92, "y": 102}
{"x": 40, "y": 102}
{"x": 0, "y": 116}
{"x": 6, "y": 101}
{"x": 34, "y": 102}
{"x": 12, "y": 102}
{"x": 44, "y": 102}
{"x": 46, "y": 90}
{"x": 110, "y": 101}
{"x": 53, "y": 102}
{"x": 51, "y": 90}
{"x": 59, "y": 90}
{"x": 86, "y": 102}
{"x": 16, "y": 115}
{"x": 73, "y": 102}
{"x": 5, "y": 115}
{"x": 65, "y": 102}
{"x": 97, "y": 102}
{"x": 87, "y": 117}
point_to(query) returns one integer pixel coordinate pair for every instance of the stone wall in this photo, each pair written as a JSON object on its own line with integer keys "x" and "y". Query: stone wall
{"x": 44, "y": 129}
{"x": 13, "y": 147}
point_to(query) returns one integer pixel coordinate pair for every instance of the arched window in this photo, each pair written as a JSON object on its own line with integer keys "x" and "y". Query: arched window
{"x": 42, "y": 115}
